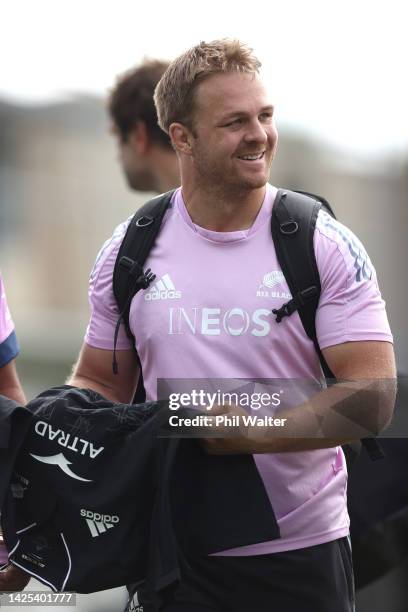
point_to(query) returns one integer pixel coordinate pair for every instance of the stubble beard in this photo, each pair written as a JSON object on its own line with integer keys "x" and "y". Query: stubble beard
{"x": 220, "y": 183}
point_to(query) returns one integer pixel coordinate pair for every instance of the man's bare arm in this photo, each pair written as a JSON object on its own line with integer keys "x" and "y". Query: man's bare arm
{"x": 10, "y": 384}
{"x": 93, "y": 370}
{"x": 12, "y": 579}
{"x": 350, "y": 410}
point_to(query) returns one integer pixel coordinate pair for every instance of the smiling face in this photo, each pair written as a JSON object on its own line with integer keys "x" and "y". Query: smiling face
{"x": 234, "y": 134}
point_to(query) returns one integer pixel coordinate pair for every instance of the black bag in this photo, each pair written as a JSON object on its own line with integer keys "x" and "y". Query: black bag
{"x": 98, "y": 497}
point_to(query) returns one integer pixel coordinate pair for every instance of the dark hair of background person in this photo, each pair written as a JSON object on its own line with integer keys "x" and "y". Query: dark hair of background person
{"x": 131, "y": 100}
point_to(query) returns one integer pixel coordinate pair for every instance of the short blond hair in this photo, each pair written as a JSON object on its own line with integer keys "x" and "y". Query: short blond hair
{"x": 174, "y": 94}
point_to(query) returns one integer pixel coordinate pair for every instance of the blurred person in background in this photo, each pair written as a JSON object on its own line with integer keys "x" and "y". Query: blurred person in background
{"x": 145, "y": 152}
{"x": 220, "y": 119}
{"x": 10, "y": 578}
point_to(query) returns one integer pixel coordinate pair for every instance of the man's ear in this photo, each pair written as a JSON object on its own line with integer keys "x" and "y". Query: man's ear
{"x": 181, "y": 138}
{"x": 139, "y": 138}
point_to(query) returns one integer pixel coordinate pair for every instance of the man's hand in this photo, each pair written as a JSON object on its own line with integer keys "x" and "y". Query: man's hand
{"x": 346, "y": 411}
{"x": 231, "y": 440}
{"x": 13, "y": 579}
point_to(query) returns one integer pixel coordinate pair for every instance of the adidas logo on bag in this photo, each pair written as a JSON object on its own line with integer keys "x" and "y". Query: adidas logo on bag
{"x": 99, "y": 523}
{"x": 163, "y": 289}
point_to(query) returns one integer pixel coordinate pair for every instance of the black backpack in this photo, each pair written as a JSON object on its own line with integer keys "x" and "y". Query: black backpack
{"x": 294, "y": 216}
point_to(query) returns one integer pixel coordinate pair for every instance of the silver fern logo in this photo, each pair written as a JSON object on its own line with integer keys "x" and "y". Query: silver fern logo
{"x": 273, "y": 278}
{"x": 269, "y": 282}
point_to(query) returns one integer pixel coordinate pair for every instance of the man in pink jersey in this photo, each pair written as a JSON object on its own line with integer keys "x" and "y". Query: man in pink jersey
{"x": 209, "y": 314}
{"x": 10, "y": 579}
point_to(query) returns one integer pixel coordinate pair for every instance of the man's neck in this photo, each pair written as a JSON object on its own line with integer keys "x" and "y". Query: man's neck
{"x": 223, "y": 212}
{"x": 167, "y": 172}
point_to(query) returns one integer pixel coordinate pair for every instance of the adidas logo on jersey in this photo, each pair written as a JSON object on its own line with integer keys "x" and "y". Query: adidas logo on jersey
{"x": 99, "y": 523}
{"x": 163, "y": 289}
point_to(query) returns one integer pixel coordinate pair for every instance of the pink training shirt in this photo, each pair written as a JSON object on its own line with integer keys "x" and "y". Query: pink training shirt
{"x": 6, "y": 322}
{"x": 209, "y": 315}
{"x": 6, "y": 328}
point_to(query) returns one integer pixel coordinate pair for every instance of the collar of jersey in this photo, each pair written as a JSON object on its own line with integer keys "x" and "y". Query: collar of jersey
{"x": 262, "y": 217}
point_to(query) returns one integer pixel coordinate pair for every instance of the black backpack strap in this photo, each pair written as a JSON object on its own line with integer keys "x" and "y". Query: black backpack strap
{"x": 325, "y": 204}
{"x": 293, "y": 223}
{"x": 128, "y": 274}
{"x": 136, "y": 245}
{"x": 294, "y": 216}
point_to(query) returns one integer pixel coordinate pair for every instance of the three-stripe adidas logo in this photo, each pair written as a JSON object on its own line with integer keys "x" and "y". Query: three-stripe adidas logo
{"x": 97, "y": 527}
{"x": 163, "y": 289}
{"x": 99, "y": 523}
